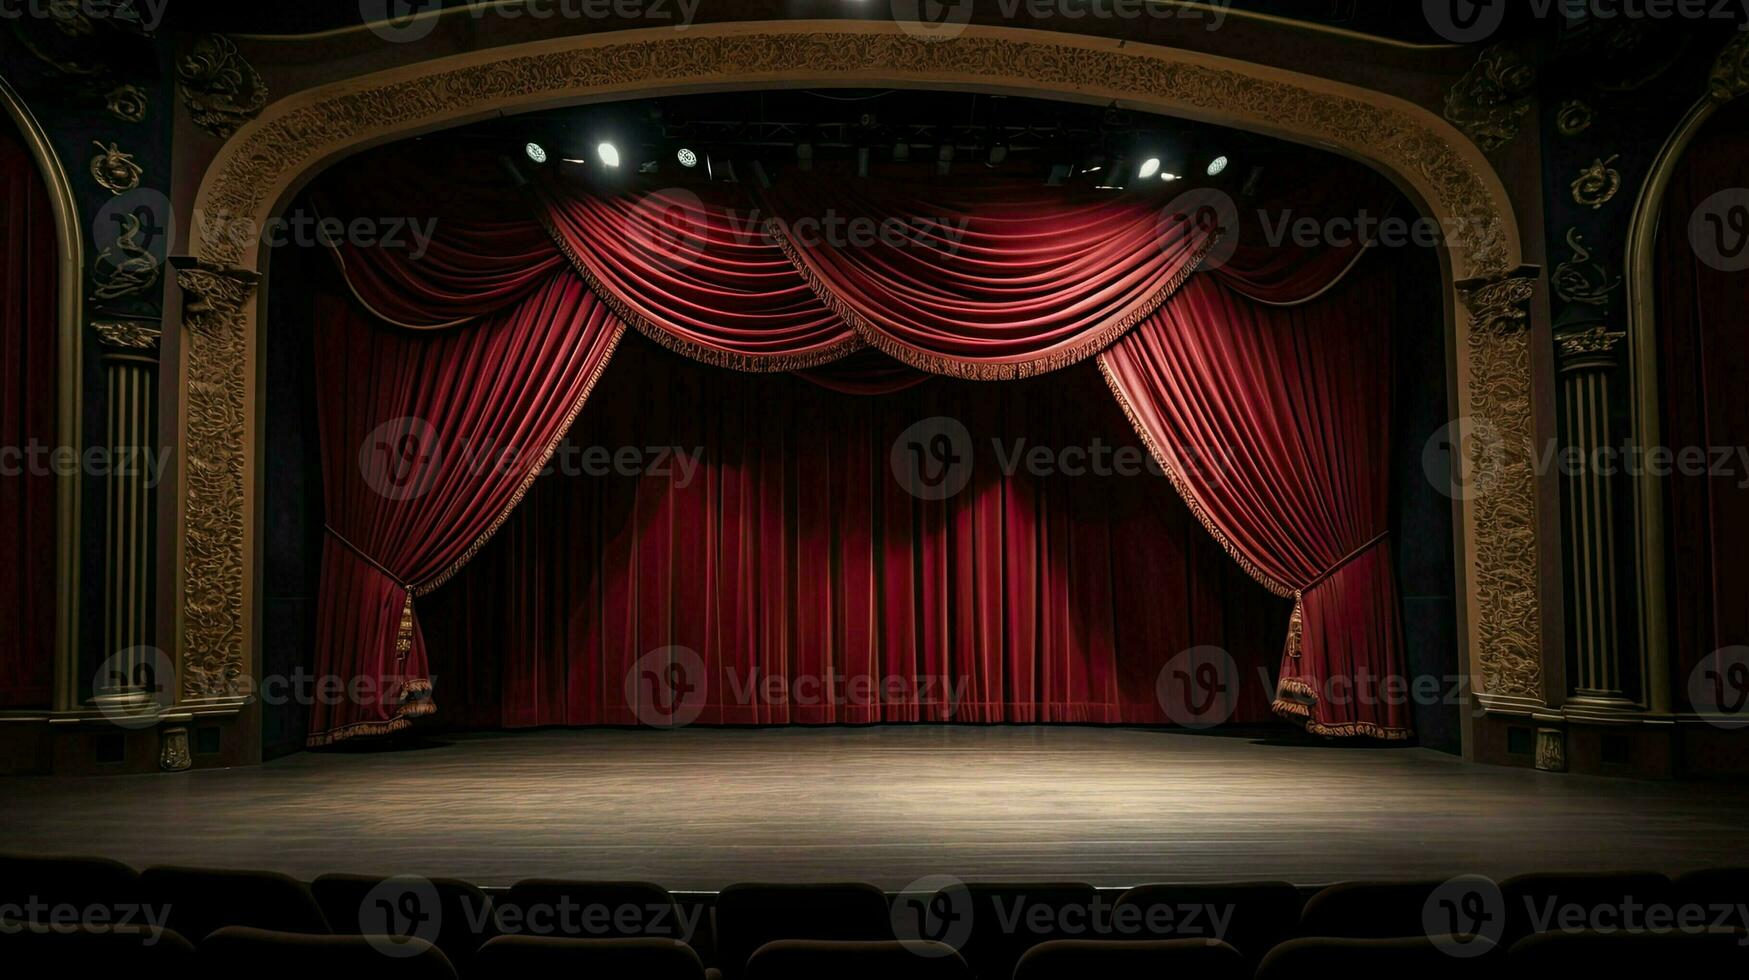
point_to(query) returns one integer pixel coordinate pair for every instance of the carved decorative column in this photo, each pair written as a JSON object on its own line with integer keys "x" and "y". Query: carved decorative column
{"x": 214, "y": 654}
{"x": 1587, "y": 362}
{"x": 130, "y": 371}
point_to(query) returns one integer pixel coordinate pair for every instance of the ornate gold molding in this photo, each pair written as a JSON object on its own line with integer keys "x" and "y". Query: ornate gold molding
{"x": 1579, "y": 279}
{"x": 213, "y": 651}
{"x": 221, "y": 90}
{"x": 136, "y": 335}
{"x": 1508, "y": 626}
{"x": 1490, "y": 102}
{"x": 1730, "y": 74}
{"x": 1573, "y": 118}
{"x": 1588, "y": 343}
{"x": 257, "y": 166}
{"x": 1597, "y": 184}
{"x": 114, "y": 170}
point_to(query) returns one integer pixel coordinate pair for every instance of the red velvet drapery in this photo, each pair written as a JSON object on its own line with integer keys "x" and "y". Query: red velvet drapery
{"x": 28, "y": 329}
{"x": 813, "y": 588}
{"x": 1274, "y": 423}
{"x": 994, "y": 282}
{"x": 428, "y": 441}
{"x": 1704, "y": 357}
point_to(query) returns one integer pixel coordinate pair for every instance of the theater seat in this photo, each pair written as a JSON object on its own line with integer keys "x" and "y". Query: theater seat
{"x": 1009, "y": 919}
{"x": 805, "y": 959}
{"x": 1252, "y": 917}
{"x": 750, "y": 915}
{"x": 261, "y": 954}
{"x": 1201, "y": 959}
{"x": 1539, "y": 902}
{"x": 465, "y": 917}
{"x": 87, "y": 951}
{"x": 1368, "y": 910}
{"x": 516, "y": 957}
{"x": 1619, "y": 954}
{"x": 1714, "y": 886}
{"x": 1412, "y": 959}
{"x": 591, "y": 910}
{"x": 201, "y": 900}
{"x": 36, "y": 884}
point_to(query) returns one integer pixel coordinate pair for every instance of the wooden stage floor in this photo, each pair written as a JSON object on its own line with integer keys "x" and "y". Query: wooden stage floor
{"x": 698, "y": 809}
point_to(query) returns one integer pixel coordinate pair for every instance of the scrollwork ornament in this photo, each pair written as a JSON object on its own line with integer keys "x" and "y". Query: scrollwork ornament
{"x": 1490, "y": 102}
{"x": 221, "y": 90}
{"x": 1589, "y": 342}
{"x": 115, "y": 171}
{"x": 1580, "y": 280}
{"x": 126, "y": 267}
{"x": 1597, "y": 184}
{"x": 1574, "y": 117}
{"x": 127, "y": 103}
{"x": 1730, "y": 75}
{"x": 131, "y": 335}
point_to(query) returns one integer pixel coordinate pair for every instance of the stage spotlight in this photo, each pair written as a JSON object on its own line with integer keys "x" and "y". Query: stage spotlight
{"x": 1217, "y": 166}
{"x": 944, "y": 160}
{"x": 998, "y": 155}
{"x": 1060, "y": 173}
{"x": 901, "y": 152}
{"x": 1113, "y": 178}
{"x": 862, "y": 161}
{"x": 1150, "y": 167}
{"x": 805, "y": 156}
{"x": 687, "y": 157}
{"x": 536, "y": 152}
{"x": 1168, "y": 176}
{"x": 608, "y": 154}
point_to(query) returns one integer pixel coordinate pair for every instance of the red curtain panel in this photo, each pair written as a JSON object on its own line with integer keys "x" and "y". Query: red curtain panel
{"x": 28, "y": 328}
{"x": 1702, "y": 287}
{"x": 1274, "y": 423}
{"x": 429, "y": 439}
{"x": 812, "y": 587}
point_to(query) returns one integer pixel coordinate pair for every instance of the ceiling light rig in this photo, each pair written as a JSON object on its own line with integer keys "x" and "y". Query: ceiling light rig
{"x": 607, "y": 153}
{"x": 536, "y": 152}
{"x": 687, "y": 156}
{"x": 1217, "y": 166}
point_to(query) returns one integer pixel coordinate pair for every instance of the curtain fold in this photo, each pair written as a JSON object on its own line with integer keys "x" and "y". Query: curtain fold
{"x": 814, "y": 588}
{"x": 29, "y": 324}
{"x": 693, "y": 269}
{"x": 1274, "y": 424}
{"x": 428, "y": 443}
{"x": 991, "y": 279}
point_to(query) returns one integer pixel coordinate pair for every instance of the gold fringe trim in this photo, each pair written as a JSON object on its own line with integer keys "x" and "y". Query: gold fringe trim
{"x": 415, "y": 703}
{"x": 546, "y": 455}
{"x": 1292, "y": 710}
{"x": 404, "y": 635}
{"x": 1182, "y": 485}
{"x": 746, "y": 363}
{"x": 1363, "y": 728}
{"x": 1056, "y": 360}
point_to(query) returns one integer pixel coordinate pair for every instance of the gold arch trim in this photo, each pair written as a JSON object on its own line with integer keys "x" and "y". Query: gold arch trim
{"x": 263, "y": 162}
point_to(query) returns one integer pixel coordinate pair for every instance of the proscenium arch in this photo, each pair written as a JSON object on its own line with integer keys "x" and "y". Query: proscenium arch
{"x": 69, "y": 277}
{"x": 264, "y": 162}
{"x": 1729, "y": 81}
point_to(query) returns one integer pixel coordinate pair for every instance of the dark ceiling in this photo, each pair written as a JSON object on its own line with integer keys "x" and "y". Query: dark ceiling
{"x": 1399, "y": 19}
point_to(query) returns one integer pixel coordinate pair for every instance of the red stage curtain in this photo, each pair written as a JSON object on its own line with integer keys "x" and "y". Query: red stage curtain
{"x": 1704, "y": 356}
{"x": 457, "y": 242}
{"x": 693, "y": 269}
{"x": 28, "y": 329}
{"x": 993, "y": 279}
{"x": 428, "y": 442}
{"x": 1274, "y": 423}
{"x": 794, "y": 552}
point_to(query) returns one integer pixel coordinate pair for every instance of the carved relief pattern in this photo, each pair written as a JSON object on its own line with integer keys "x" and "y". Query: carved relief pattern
{"x": 1508, "y": 625}
{"x": 214, "y": 310}
{"x": 1730, "y": 76}
{"x": 222, "y": 91}
{"x": 1490, "y": 102}
{"x": 134, "y": 335}
{"x": 252, "y": 170}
